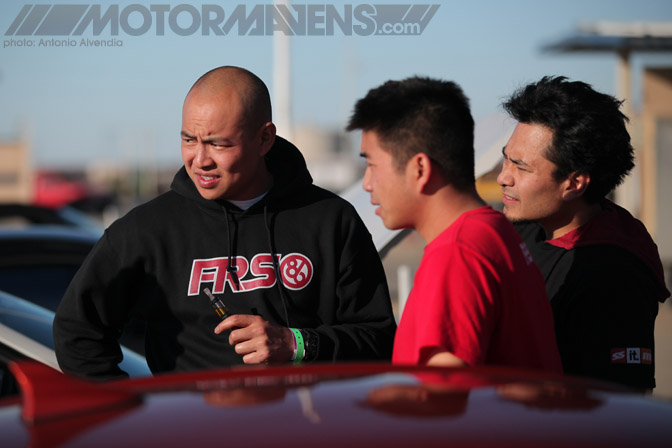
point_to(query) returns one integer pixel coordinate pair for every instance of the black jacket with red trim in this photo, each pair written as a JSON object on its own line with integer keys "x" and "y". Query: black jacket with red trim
{"x": 605, "y": 280}
{"x": 155, "y": 262}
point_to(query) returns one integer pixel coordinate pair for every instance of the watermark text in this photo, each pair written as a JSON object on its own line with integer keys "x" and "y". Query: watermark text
{"x": 216, "y": 20}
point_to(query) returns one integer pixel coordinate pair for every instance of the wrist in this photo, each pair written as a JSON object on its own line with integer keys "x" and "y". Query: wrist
{"x": 311, "y": 344}
{"x": 299, "y": 346}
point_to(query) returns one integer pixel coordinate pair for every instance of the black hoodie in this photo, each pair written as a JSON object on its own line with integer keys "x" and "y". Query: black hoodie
{"x": 156, "y": 261}
{"x": 604, "y": 280}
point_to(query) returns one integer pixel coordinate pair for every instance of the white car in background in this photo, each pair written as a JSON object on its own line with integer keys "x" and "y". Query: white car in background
{"x": 25, "y": 332}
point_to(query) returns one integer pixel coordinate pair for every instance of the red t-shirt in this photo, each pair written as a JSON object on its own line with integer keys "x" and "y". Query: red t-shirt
{"x": 479, "y": 295}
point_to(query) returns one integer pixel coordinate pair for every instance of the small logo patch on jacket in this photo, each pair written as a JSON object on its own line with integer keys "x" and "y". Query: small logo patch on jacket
{"x": 631, "y": 355}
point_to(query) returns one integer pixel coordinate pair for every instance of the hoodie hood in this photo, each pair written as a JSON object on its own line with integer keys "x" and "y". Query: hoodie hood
{"x": 290, "y": 178}
{"x": 284, "y": 161}
{"x": 616, "y": 226}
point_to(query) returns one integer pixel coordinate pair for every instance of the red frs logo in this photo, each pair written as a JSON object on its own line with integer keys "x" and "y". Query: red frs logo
{"x": 631, "y": 355}
{"x": 296, "y": 272}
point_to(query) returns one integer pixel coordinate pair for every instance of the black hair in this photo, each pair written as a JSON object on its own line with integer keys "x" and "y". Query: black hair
{"x": 420, "y": 114}
{"x": 589, "y": 131}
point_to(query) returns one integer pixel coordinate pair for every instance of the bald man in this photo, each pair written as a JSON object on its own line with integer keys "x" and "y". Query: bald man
{"x": 243, "y": 261}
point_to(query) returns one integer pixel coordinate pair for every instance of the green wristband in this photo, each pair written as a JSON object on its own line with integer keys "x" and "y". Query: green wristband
{"x": 299, "y": 347}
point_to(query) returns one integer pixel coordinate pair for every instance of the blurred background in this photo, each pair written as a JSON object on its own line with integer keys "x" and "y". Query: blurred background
{"x": 91, "y": 94}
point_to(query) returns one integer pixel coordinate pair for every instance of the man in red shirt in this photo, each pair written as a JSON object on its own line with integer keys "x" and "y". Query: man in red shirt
{"x": 477, "y": 298}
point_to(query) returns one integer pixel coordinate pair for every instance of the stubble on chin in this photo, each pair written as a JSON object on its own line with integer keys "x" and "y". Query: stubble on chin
{"x": 515, "y": 219}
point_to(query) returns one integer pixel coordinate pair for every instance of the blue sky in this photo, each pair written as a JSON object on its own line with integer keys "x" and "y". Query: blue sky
{"x": 78, "y": 105}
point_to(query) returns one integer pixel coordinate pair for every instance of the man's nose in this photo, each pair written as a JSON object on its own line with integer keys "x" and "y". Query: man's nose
{"x": 366, "y": 182}
{"x": 504, "y": 178}
{"x": 202, "y": 155}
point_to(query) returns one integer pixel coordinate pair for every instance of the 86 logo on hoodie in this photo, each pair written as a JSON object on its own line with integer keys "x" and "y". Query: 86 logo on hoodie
{"x": 296, "y": 271}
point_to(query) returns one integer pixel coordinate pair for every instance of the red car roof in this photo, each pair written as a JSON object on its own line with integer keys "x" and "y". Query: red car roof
{"x": 325, "y": 405}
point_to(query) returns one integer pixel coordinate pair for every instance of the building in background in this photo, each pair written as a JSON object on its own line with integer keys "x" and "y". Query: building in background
{"x": 655, "y": 120}
{"x": 16, "y": 173}
{"x": 331, "y": 156}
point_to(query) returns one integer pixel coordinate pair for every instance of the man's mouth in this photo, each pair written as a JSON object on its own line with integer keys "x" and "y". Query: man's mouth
{"x": 207, "y": 181}
{"x": 507, "y": 198}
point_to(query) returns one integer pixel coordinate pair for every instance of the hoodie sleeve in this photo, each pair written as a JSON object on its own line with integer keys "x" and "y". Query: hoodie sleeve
{"x": 365, "y": 324}
{"x": 93, "y": 313}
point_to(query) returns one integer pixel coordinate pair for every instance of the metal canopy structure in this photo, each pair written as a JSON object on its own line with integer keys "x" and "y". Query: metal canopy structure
{"x": 617, "y": 37}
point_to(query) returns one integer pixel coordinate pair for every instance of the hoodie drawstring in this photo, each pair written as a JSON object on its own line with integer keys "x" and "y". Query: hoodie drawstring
{"x": 276, "y": 267}
{"x": 231, "y": 267}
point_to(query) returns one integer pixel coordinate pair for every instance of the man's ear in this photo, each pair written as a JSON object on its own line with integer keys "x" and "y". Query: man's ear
{"x": 419, "y": 168}
{"x": 266, "y": 137}
{"x": 576, "y": 185}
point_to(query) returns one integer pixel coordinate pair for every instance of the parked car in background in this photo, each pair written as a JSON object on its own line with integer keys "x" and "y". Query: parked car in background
{"x": 41, "y": 249}
{"x": 331, "y": 405}
{"x": 23, "y": 215}
{"x": 56, "y": 189}
{"x": 37, "y": 263}
{"x": 25, "y": 332}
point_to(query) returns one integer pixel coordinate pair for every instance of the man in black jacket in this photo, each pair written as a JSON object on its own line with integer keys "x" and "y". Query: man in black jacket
{"x": 293, "y": 263}
{"x": 602, "y": 269}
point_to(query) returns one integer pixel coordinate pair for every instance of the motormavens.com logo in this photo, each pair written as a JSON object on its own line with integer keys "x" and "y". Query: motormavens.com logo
{"x": 217, "y": 20}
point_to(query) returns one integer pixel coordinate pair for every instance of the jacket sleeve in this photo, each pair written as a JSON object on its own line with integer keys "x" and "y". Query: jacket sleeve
{"x": 364, "y": 326}
{"x": 604, "y": 317}
{"x": 92, "y": 315}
